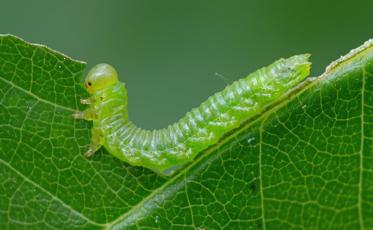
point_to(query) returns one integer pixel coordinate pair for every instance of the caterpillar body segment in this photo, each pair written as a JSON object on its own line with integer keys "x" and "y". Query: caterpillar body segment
{"x": 168, "y": 149}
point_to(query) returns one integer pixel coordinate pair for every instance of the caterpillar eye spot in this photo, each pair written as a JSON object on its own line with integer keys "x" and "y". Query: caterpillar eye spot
{"x": 89, "y": 83}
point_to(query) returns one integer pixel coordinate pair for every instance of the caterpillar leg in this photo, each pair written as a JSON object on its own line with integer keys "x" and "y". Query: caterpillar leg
{"x": 96, "y": 138}
{"x": 87, "y": 114}
{"x": 85, "y": 101}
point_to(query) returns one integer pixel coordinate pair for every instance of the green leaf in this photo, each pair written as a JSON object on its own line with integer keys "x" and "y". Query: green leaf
{"x": 306, "y": 162}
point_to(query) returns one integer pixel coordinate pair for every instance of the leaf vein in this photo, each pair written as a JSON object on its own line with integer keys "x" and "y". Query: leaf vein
{"x": 48, "y": 193}
{"x": 35, "y": 96}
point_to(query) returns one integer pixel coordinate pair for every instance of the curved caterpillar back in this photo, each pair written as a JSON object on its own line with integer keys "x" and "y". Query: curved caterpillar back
{"x": 167, "y": 149}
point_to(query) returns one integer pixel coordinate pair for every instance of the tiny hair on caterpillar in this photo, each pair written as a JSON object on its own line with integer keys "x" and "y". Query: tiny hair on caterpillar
{"x": 166, "y": 150}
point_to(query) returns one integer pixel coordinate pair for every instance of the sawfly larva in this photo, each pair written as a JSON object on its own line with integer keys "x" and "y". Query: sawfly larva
{"x": 168, "y": 149}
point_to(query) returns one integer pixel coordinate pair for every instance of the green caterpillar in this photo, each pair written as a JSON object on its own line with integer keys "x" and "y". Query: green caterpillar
{"x": 168, "y": 149}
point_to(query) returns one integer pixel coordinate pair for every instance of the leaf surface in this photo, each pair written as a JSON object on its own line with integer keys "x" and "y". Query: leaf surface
{"x": 305, "y": 162}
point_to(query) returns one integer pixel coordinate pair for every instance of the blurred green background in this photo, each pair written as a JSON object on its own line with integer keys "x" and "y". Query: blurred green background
{"x": 174, "y": 54}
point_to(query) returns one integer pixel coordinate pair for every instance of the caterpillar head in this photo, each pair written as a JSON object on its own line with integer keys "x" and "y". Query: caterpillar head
{"x": 100, "y": 77}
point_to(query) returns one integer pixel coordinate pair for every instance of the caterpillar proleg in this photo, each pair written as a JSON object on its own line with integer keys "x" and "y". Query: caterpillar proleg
{"x": 169, "y": 148}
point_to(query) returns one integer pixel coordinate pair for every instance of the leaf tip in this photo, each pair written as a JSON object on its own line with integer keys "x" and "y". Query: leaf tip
{"x": 353, "y": 53}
